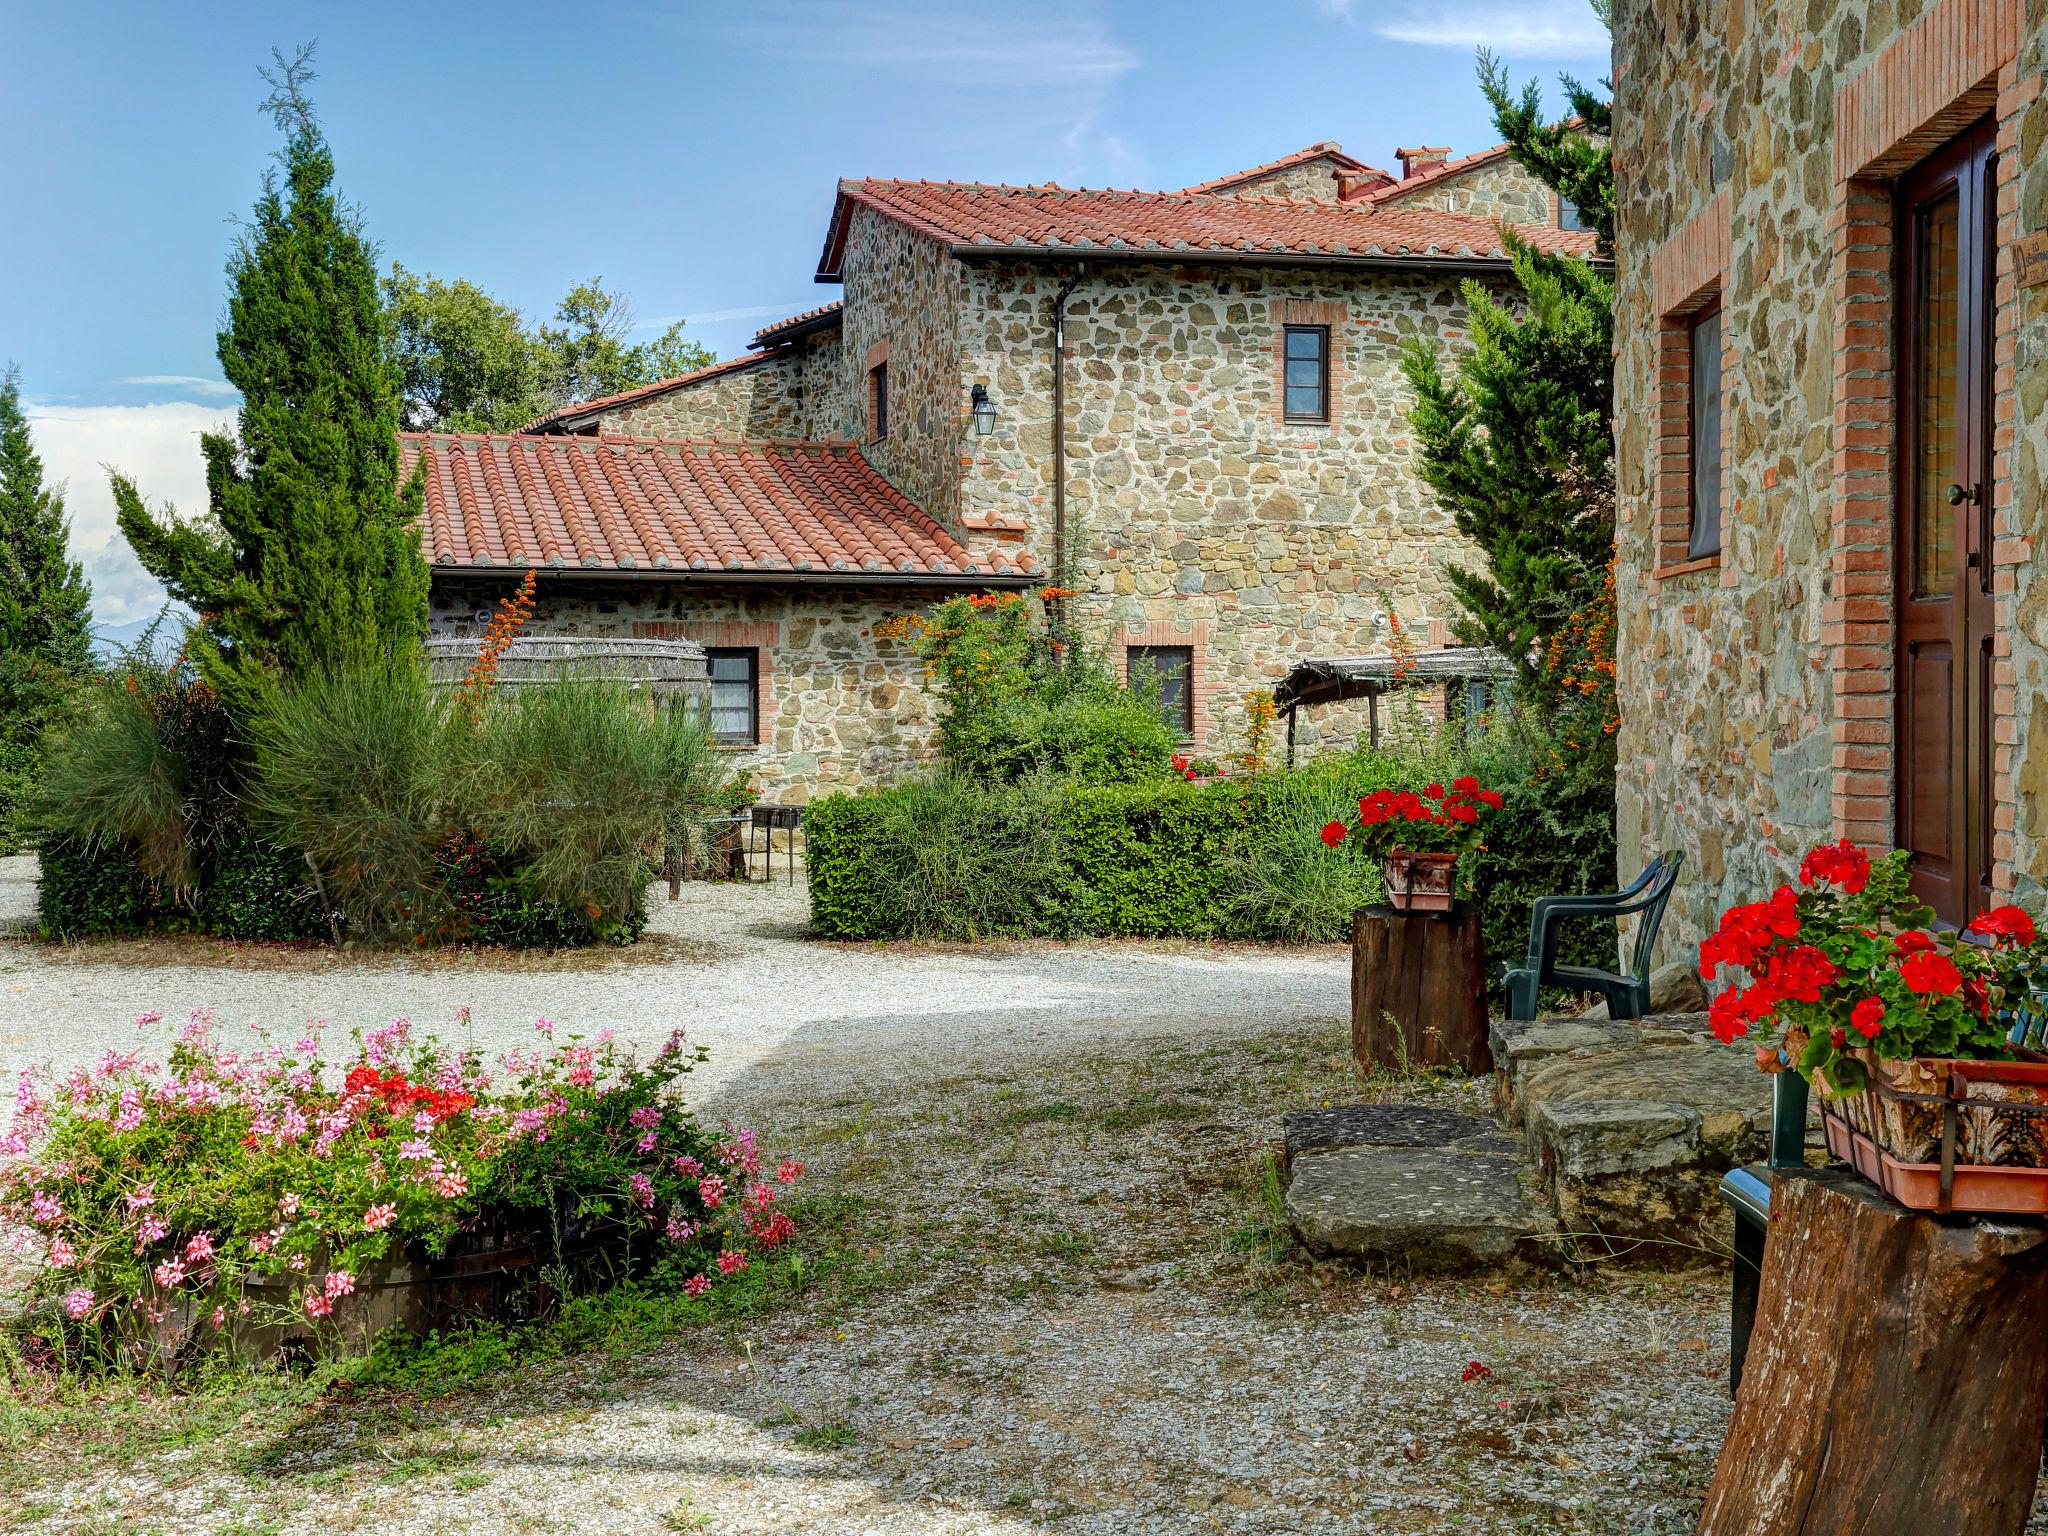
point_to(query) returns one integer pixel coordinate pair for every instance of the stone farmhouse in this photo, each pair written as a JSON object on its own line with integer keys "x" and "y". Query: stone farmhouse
{"x": 1218, "y": 449}
{"x": 1833, "y": 365}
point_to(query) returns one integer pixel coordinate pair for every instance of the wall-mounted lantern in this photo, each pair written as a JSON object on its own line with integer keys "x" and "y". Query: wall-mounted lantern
{"x": 984, "y": 411}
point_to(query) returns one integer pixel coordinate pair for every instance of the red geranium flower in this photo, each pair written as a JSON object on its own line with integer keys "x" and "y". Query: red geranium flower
{"x": 1925, "y": 971}
{"x": 1434, "y": 791}
{"x": 1843, "y": 865}
{"x": 2005, "y": 923}
{"x": 1333, "y": 833}
{"x": 1868, "y": 1017}
{"x": 1912, "y": 942}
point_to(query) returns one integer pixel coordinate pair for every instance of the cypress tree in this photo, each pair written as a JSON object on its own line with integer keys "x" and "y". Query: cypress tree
{"x": 1518, "y": 444}
{"x": 45, "y": 602}
{"x": 310, "y": 557}
{"x": 45, "y": 608}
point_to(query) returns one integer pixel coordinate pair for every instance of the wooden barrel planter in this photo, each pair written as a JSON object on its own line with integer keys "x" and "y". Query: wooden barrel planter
{"x": 1418, "y": 990}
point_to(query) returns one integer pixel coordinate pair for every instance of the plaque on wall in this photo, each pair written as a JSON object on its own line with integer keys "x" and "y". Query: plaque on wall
{"x": 2030, "y": 259}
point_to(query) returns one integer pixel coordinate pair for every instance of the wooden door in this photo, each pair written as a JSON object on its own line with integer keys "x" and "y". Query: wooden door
{"x": 1945, "y": 220}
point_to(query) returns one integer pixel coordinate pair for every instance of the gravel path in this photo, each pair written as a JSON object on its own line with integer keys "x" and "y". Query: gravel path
{"x": 728, "y": 963}
{"x": 1050, "y": 1290}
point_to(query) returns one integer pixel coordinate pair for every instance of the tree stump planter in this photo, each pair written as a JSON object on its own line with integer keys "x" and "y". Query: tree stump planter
{"x": 1943, "y": 1135}
{"x": 1418, "y": 990}
{"x": 1897, "y": 1379}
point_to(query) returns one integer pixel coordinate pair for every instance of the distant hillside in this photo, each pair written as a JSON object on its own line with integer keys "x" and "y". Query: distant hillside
{"x": 110, "y": 640}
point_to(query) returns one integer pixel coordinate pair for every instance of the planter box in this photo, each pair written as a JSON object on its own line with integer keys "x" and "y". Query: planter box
{"x": 1419, "y": 882}
{"x": 511, "y": 1283}
{"x": 1943, "y": 1135}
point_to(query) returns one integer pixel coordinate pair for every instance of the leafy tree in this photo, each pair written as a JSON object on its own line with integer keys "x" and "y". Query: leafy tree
{"x": 310, "y": 558}
{"x": 1519, "y": 444}
{"x": 465, "y": 360}
{"x": 588, "y": 352}
{"x": 45, "y": 608}
{"x": 471, "y": 363}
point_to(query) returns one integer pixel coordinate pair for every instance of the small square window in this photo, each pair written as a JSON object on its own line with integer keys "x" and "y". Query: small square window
{"x": 1568, "y": 215}
{"x": 878, "y": 402}
{"x": 1306, "y": 383}
{"x": 1705, "y": 456}
{"x": 1170, "y": 669}
{"x": 735, "y": 695}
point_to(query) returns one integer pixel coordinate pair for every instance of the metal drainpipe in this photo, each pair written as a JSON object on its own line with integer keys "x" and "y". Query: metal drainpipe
{"x": 1059, "y": 441}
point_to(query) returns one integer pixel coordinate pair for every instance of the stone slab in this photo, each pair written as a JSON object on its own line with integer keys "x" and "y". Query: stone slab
{"x": 1390, "y": 1125}
{"x": 1427, "y": 1208}
{"x": 1630, "y": 1124}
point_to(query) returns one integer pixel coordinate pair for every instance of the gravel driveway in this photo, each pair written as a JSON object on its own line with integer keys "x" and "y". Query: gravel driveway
{"x": 727, "y": 962}
{"x": 1051, "y": 1291}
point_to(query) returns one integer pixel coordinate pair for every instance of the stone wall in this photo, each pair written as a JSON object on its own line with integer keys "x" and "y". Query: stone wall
{"x": 1492, "y": 189}
{"x": 1200, "y": 517}
{"x": 1315, "y": 180}
{"x": 903, "y": 304}
{"x": 762, "y": 399}
{"x": 1756, "y": 687}
{"x": 839, "y": 709}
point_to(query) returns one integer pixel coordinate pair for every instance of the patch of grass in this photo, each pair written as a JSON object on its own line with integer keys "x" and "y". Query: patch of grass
{"x": 1050, "y": 1112}
{"x": 825, "y": 1437}
{"x": 1150, "y": 1109}
{"x": 429, "y": 1463}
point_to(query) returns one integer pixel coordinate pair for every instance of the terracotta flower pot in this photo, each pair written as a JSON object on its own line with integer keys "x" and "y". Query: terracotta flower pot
{"x": 1419, "y": 882}
{"x": 1938, "y": 1134}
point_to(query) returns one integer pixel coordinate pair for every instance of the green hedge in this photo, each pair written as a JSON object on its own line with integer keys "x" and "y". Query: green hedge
{"x": 952, "y": 859}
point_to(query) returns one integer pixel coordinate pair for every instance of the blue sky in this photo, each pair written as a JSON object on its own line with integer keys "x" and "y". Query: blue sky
{"x": 686, "y": 152}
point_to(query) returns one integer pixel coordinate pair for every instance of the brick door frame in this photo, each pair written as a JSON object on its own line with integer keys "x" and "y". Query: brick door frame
{"x": 1955, "y": 65}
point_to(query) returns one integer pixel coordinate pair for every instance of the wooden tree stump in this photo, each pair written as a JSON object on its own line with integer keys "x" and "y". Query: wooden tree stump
{"x": 1898, "y": 1376}
{"x": 1418, "y": 990}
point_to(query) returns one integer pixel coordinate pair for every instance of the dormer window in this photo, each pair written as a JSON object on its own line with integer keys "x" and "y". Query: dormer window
{"x": 1306, "y": 385}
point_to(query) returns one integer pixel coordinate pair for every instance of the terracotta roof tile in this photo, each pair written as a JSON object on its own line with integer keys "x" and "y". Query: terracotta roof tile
{"x": 582, "y": 408}
{"x": 822, "y": 318}
{"x": 508, "y": 501}
{"x": 973, "y": 216}
{"x": 1328, "y": 149}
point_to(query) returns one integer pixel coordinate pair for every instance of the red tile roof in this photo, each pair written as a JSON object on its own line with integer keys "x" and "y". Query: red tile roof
{"x": 823, "y": 318}
{"x": 976, "y": 218}
{"x": 508, "y": 501}
{"x": 1328, "y": 149}
{"x": 565, "y": 415}
{"x": 1424, "y": 175}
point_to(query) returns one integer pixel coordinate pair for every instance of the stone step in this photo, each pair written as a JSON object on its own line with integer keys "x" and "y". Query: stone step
{"x": 1412, "y": 1185}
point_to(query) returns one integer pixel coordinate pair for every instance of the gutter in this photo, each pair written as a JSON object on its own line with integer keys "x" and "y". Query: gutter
{"x": 514, "y": 572}
{"x": 1434, "y": 264}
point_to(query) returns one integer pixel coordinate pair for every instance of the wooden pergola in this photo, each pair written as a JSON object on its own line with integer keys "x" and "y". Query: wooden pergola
{"x": 1334, "y": 679}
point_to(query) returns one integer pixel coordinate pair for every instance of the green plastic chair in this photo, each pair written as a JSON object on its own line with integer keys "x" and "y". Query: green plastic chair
{"x": 1628, "y": 996}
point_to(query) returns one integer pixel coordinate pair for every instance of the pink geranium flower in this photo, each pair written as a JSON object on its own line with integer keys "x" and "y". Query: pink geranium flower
{"x": 77, "y": 1302}
{"x": 378, "y": 1217}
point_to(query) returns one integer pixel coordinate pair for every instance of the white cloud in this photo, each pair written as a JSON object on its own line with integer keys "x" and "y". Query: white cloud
{"x": 186, "y": 381}
{"x": 713, "y": 316}
{"x": 1545, "y": 29}
{"x": 1346, "y": 9}
{"x": 155, "y": 445}
{"x": 995, "y": 47}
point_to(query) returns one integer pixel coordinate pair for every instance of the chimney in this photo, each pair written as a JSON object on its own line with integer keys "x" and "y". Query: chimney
{"x": 1426, "y": 158}
{"x": 1353, "y": 185}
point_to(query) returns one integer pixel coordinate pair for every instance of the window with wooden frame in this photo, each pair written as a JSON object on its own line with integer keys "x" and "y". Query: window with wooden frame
{"x": 735, "y": 694}
{"x": 1704, "y": 439}
{"x": 1568, "y": 215}
{"x": 878, "y": 402}
{"x": 1170, "y": 669}
{"x": 1306, "y": 381}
